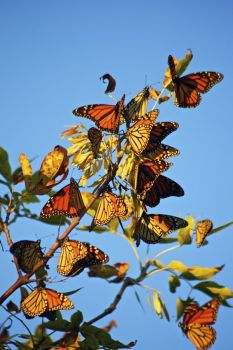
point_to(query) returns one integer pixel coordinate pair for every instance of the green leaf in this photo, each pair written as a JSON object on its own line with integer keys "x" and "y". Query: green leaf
{"x": 76, "y": 319}
{"x": 159, "y": 306}
{"x": 167, "y": 240}
{"x": 58, "y": 325}
{"x": 177, "y": 266}
{"x": 201, "y": 273}
{"x": 180, "y": 307}
{"x": 29, "y": 198}
{"x": 72, "y": 291}
{"x": 139, "y": 300}
{"x": 214, "y": 289}
{"x": 5, "y": 168}
{"x": 97, "y": 229}
{"x": 157, "y": 263}
{"x": 220, "y": 228}
{"x": 55, "y": 220}
{"x": 174, "y": 282}
{"x": 185, "y": 234}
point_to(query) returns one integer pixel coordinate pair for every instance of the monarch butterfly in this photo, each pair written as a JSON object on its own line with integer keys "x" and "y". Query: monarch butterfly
{"x": 68, "y": 201}
{"x": 153, "y": 227}
{"x": 137, "y": 107}
{"x": 158, "y": 133}
{"x": 196, "y": 323}
{"x": 111, "y": 83}
{"x": 28, "y": 254}
{"x": 202, "y": 229}
{"x": 146, "y": 173}
{"x": 188, "y": 88}
{"x": 95, "y": 137}
{"x": 163, "y": 187}
{"x": 75, "y": 256}
{"x": 106, "y": 117}
{"x": 110, "y": 206}
{"x": 163, "y": 152}
{"x": 139, "y": 133}
{"x": 44, "y": 299}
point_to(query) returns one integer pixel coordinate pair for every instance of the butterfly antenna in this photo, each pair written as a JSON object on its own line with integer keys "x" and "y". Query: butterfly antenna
{"x": 112, "y": 97}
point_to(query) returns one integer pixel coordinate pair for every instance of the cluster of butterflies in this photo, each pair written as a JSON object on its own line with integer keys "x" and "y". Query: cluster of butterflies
{"x": 144, "y": 137}
{"x": 74, "y": 257}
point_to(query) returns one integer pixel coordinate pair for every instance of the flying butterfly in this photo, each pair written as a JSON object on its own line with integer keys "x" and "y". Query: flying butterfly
{"x": 106, "y": 117}
{"x": 75, "y": 256}
{"x": 146, "y": 173}
{"x": 138, "y": 134}
{"x": 196, "y": 323}
{"x": 68, "y": 201}
{"x": 189, "y": 87}
{"x": 151, "y": 228}
{"x": 163, "y": 187}
{"x": 95, "y": 137}
{"x": 42, "y": 300}
{"x": 28, "y": 254}
{"x": 202, "y": 229}
{"x": 110, "y": 206}
{"x": 137, "y": 107}
{"x": 111, "y": 83}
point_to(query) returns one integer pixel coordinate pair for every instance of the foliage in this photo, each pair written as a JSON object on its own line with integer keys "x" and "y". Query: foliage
{"x": 128, "y": 166}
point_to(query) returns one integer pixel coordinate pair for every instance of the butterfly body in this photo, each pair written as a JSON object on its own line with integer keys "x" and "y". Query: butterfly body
{"x": 106, "y": 117}
{"x": 68, "y": 201}
{"x": 189, "y": 87}
{"x": 197, "y": 323}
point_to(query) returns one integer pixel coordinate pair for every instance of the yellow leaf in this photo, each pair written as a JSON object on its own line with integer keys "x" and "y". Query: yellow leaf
{"x": 26, "y": 170}
{"x": 201, "y": 273}
{"x": 177, "y": 266}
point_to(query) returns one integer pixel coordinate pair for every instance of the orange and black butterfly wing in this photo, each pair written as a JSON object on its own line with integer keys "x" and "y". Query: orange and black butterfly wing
{"x": 202, "y": 229}
{"x": 28, "y": 254}
{"x": 163, "y": 187}
{"x": 197, "y": 321}
{"x": 68, "y": 201}
{"x": 71, "y": 252}
{"x": 93, "y": 256}
{"x": 106, "y": 117}
{"x": 158, "y": 133}
{"x": 153, "y": 227}
{"x": 146, "y": 174}
{"x": 95, "y": 137}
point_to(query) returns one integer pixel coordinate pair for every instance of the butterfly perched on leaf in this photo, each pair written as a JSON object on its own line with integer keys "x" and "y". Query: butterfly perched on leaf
{"x": 196, "y": 323}
{"x": 111, "y": 83}
{"x": 106, "y": 117}
{"x": 163, "y": 187}
{"x": 137, "y": 107}
{"x": 202, "y": 229}
{"x": 138, "y": 134}
{"x": 28, "y": 254}
{"x": 188, "y": 88}
{"x": 75, "y": 256}
{"x": 146, "y": 173}
{"x": 151, "y": 228}
{"x": 42, "y": 300}
{"x": 68, "y": 202}
{"x": 95, "y": 137}
{"x": 110, "y": 206}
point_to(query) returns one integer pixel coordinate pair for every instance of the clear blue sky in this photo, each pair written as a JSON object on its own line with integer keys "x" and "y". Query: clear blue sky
{"x": 52, "y": 55}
